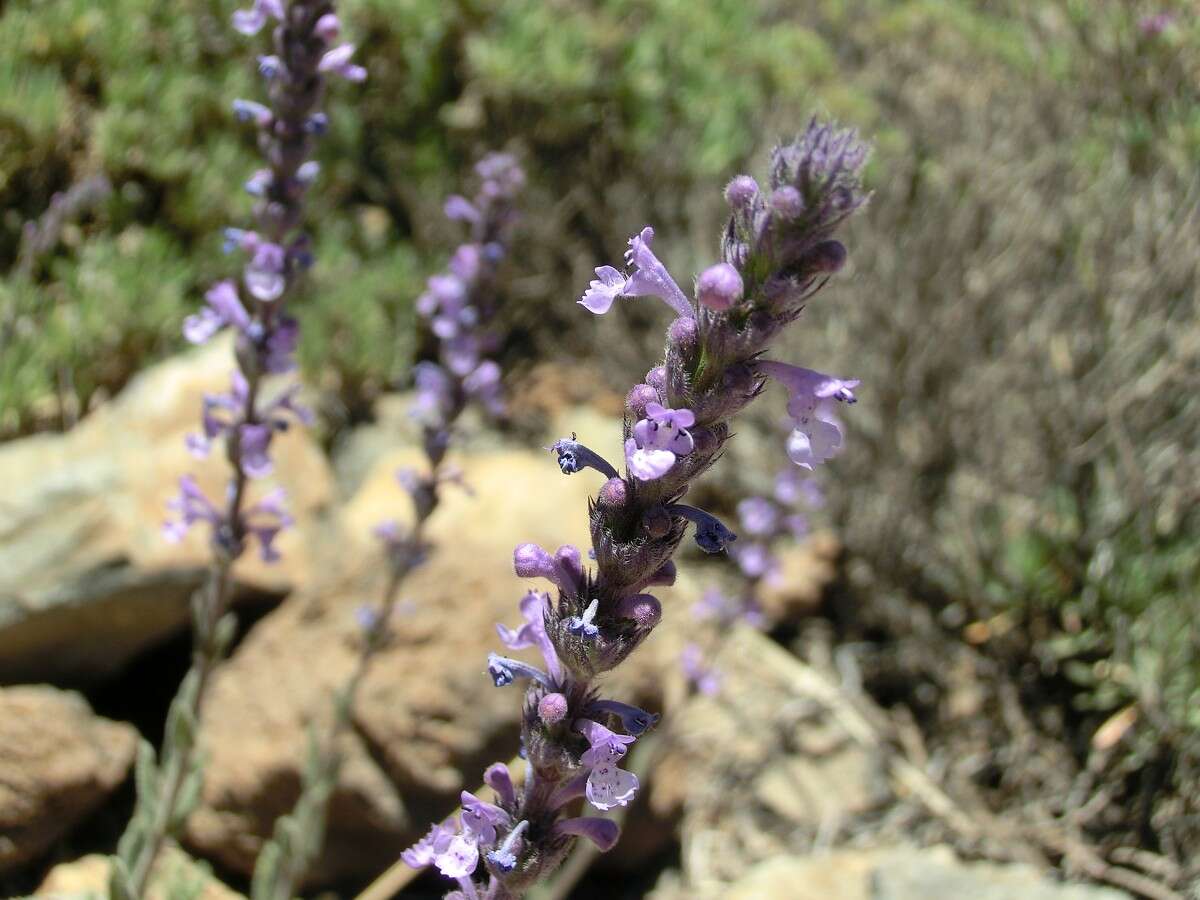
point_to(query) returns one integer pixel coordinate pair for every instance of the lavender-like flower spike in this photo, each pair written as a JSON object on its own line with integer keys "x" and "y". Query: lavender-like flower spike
{"x": 778, "y": 248}
{"x": 265, "y": 342}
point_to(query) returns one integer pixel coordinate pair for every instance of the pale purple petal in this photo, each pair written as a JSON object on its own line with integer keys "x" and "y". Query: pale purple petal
{"x": 609, "y": 786}
{"x": 647, "y": 465}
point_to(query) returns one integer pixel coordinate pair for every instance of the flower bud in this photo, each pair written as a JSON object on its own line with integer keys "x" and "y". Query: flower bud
{"x": 614, "y": 493}
{"x": 657, "y": 522}
{"x": 683, "y": 334}
{"x": 643, "y": 609}
{"x": 327, "y": 28}
{"x": 827, "y": 256}
{"x": 704, "y": 441}
{"x": 665, "y": 575}
{"x": 638, "y": 397}
{"x": 657, "y": 378}
{"x": 787, "y": 202}
{"x": 719, "y": 287}
{"x": 552, "y": 708}
{"x": 741, "y": 192}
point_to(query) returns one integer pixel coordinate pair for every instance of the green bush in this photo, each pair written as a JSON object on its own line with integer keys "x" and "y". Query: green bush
{"x": 619, "y": 109}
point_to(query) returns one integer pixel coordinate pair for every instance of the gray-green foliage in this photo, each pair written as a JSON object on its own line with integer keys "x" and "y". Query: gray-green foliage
{"x": 169, "y": 787}
{"x": 1022, "y": 314}
{"x": 618, "y": 108}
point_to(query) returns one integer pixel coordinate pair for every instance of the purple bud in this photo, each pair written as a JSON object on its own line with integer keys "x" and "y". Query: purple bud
{"x": 827, "y": 256}
{"x": 657, "y": 378}
{"x": 741, "y": 192}
{"x": 787, "y": 202}
{"x": 552, "y": 708}
{"x": 643, "y": 609}
{"x": 638, "y": 397}
{"x": 664, "y": 575}
{"x": 719, "y": 287}
{"x": 601, "y": 832}
{"x": 657, "y": 522}
{"x": 531, "y": 561}
{"x": 704, "y": 441}
{"x": 497, "y": 778}
{"x": 683, "y": 334}
{"x": 327, "y": 28}
{"x": 614, "y": 493}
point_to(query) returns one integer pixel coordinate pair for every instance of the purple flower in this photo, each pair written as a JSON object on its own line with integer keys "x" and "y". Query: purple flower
{"x": 609, "y": 786}
{"x": 422, "y": 853}
{"x": 756, "y": 560}
{"x": 1155, "y": 24}
{"x": 250, "y": 21}
{"x": 583, "y": 625}
{"x": 483, "y": 385}
{"x": 264, "y": 273}
{"x": 504, "y": 857}
{"x": 337, "y": 62}
{"x": 481, "y": 819}
{"x": 265, "y": 520}
{"x": 658, "y": 440}
{"x": 224, "y": 308}
{"x": 817, "y": 436}
{"x": 435, "y": 393}
{"x": 797, "y": 524}
{"x": 497, "y": 778}
{"x": 574, "y": 456}
{"x": 651, "y": 277}
{"x": 533, "y": 632}
{"x": 702, "y": 676}
{"x": 758, "y": 515}
{"x": 458, "y": 858}
{"x": 254, "y": 441}
{"x": 564, "y": 569}
{"x": 327, "y": 28}
{"x": 604, "y": 833}
{"x": 665, "y": 429}
{"x": 608, "y": 285}
{"x": 505, "y": 671}
{"x": 250, "y": 111}
{"x": 605, "y": 746}
{"x": 279, "y": 350}
{"x": 460, "y": 209}
{"x": 191, "y": 506}
{"x": 711, "y": 534}
{"x": 634, "y": 720}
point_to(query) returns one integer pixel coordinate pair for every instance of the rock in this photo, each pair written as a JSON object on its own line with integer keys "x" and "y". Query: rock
{"x": 86, "y": 579}
{"x": 936, "y": 874}
{"x": 881, "y": 873}
{"x": 88, "y": 877}
{"x": 58, "y": 762}
{"x": 427, "y": 719}
{"x": 806, "y": 569}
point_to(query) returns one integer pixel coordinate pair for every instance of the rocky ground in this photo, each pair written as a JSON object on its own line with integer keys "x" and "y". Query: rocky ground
{"x": 788, "y": 783}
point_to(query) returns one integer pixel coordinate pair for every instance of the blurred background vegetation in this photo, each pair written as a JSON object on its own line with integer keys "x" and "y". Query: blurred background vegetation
{"x": 1022, "y": 478}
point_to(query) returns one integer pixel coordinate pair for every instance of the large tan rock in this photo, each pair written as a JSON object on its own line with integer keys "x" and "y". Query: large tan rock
{"x": 428, "y": 719}
{"x": 86, "y": 579}
{"x": 87, "y": 879}
{"x": 58, "y": 762}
